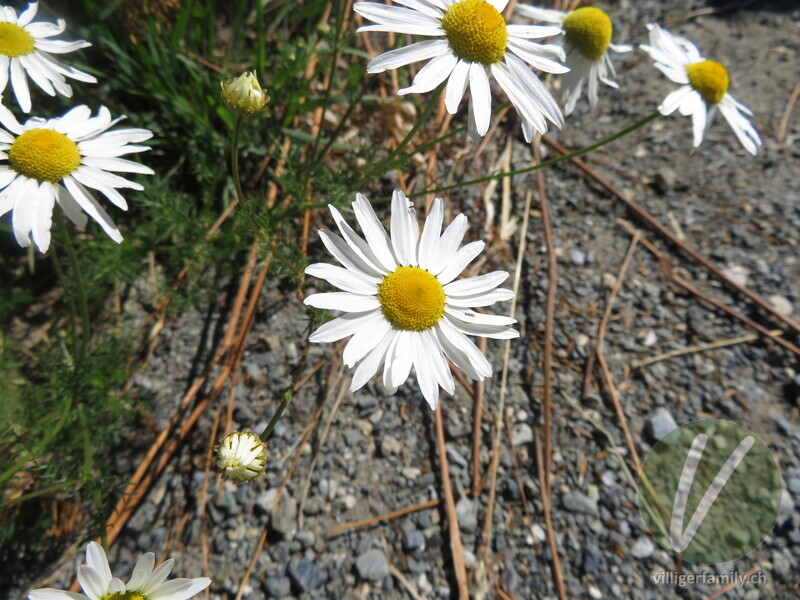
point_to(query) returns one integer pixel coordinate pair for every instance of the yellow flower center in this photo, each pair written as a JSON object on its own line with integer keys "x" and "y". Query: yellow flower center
{"x": 411, "y": 299}
{"x": 710, "y": 79}
{"x": 476, "y": 31}
{"x": 15, "y": 41}
{"x": 125, "y": 596}
{"x": 44, "y": 155}
{"x": 589, "y": 30}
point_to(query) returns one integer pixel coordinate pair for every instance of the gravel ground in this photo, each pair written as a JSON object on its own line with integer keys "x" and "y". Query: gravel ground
{"x": 380, "y": 453}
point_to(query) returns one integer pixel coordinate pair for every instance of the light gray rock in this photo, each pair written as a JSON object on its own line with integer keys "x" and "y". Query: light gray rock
{"x": 372, "y": 565}
{"x": 659, "y": 423}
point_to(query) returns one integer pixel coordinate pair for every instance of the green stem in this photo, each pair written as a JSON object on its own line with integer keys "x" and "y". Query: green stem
{"x": 80, "y": 290}
{"x": 288, "y": 393}
{"x": 380, "y": 167}
{"x": 37, "y": 493}
{"x": 237, "y": 180}
{"x": 546, "y": 163}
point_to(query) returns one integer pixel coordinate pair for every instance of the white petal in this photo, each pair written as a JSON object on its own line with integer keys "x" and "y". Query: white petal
{"x": 357, "y": 245}
{"x": 372, "y": 362}
{"x": 674, "y": 100}
{"x": 84, "y": 198}
{"x": 26, "y": 206}
{"x": 53, "y": 594}
{"x": 426, "y": 375}
{"x": 742, "y": 127}
{"x": 407, "y": 55}
{"x": 179, "y": 589}
{"x": 395, "y": 15}
{"x": 404, "y": 228}
{"x": 117, "y": 164}
{"x": 92, "y": 583}
{"x": 431, "y": 75}
{"x": 531, "y": 53}
{"x": 475, "y": 285}
{"x": 376, "y": 235}
{"x": 344, "y": 301}
{"x": 43, "y": 220}
{"x": 459, "y": 341}
{"x": 157, "y": 577}
{"x": 27, "y": 15}
{"x": 399, "y": 360}
{"x": 546, "y": 15}
{"x": 487, "y": 299}
{"x": 371, "y": 330}
{"x": 456, "y": 86}
{"x": 488, "y": 331}
{"x": 344, "y": 279}
{"x": 429, "y": 241}
{"x": 448, "y": 244}
{"x": 698, "y": 124}
{"x": 480, "y": 97}
{"x": 141, "y": 571}
{"x": 345, "y": 254}
{"x": 460, "y": 261}
{"x": 70, "y": 207}
{"x": 436, "y": 354}
{"x": 343, "y": 327}
{"x": 20, "y": 85}
{"x": 533, "y": 32}
{"x": 469, "y": 316}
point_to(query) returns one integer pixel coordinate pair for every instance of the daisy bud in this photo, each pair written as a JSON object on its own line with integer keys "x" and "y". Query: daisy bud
{"x": 244, "y": 95}
{"x": 241, "y": 456}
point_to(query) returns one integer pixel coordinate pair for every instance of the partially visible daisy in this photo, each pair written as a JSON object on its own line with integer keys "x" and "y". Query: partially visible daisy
{"x": 587, "y": 39}
{"x": 241, "y": 456}
{"x": 48, "y": 161}
{"x": 401, "y": 301}
{"x": 145, "y": 583}
{"x": 704, "y": 87}
{"x": 25, "y": 47}
{"x": 472, "y": 40}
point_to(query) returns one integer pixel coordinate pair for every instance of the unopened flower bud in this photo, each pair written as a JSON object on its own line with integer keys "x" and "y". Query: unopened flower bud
{"x": 244, "y": 95}
{"x": 241, "y": 456}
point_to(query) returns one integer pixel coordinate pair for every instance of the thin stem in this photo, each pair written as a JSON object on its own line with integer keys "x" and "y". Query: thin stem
{"x": 247, "y": 209}
{"x": 35, "y": 494}
{"x": 297, "y": 372}
{"x": 607, "y": 140}
{"x": 80, "y": 289}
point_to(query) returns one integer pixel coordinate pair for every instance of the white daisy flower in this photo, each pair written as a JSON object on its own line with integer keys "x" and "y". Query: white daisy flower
{"x": 473, "y": 39}
{"x": 48, "y": 161}
{"x": 704, "y": 87}
{"x": 25, "y": 47}
{"x": 146, "y": 583}
{"x": 587, "y": 39}
{"x": 402, "y": 303}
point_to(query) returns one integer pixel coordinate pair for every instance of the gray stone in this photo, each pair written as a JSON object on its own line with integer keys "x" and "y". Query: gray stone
{"x": 455, "y": 456}
{"x": 577, "y": 257}
{"x": 284, "y": 521}
{"x": 659, "y": 423}
{"x": 579, "y": 503}
{"x": 521, "y": 433}
{"x": 414, "y": 540}
{"x": 306, "y": 538}
{"x": 306, "y": 575}
{"x": 372, "y": 565}
{"x": 785, "y": 426}
{"x": 467, "y": 513}
{"x": 643, "y": 547}
{"x": 277, "y": 587}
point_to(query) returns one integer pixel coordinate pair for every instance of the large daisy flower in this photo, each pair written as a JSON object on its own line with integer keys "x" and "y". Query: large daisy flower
{"x": 25, "y": 47}
{"x": 401, "y": 301}
{"x": 145, "y": 583}
{"x": 704, "y": 87}
{"x": 587, "y": 39}
{"x": 44, "y": 162}
{"x": 473, "y": 40}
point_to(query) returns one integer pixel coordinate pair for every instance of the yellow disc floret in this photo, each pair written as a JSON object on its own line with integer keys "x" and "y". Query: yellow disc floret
{"x": 589, "y": 30}
{"x": 411, "y": 299}
{"x": 710, "y": 79}
{"x": 125, "y": 596}
{"x": 476, "y": 31}
{"x": 44, "y": 155}
{"x": 15, "y": 41}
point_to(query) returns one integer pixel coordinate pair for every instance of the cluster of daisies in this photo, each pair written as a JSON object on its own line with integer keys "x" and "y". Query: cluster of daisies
{"x": 62, "y": 160}
{"x": 401, "y": 304}
{"x": 470, "y": 40}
